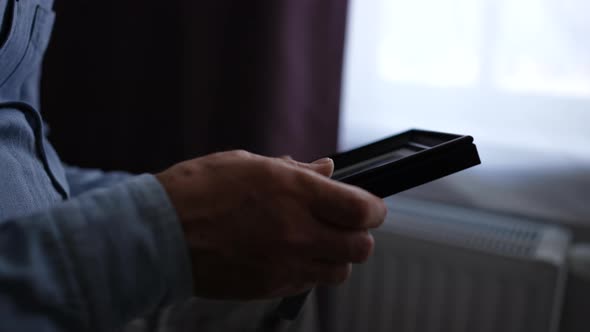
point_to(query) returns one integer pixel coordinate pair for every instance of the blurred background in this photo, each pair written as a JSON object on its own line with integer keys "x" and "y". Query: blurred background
{"x": 514, "y": 74}
{"x": 139, "y": 85}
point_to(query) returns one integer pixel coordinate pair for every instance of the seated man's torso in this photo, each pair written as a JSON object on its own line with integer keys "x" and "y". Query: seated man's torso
{"x": 31, "y": 175}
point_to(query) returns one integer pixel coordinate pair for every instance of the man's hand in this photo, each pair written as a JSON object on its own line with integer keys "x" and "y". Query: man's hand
{"x": 262, "y": 227}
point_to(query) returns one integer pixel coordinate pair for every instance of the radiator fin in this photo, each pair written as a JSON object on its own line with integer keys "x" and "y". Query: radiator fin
{"x": 439, "y": 268}
{"x": 411, "y": 294}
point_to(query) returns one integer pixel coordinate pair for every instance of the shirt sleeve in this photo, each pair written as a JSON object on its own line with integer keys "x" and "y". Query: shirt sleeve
{"x": 95, "y": 262}
{"x": 81, "y": 180}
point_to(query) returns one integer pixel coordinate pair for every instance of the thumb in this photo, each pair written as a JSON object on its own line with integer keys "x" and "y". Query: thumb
{"x": 324, "y": 166}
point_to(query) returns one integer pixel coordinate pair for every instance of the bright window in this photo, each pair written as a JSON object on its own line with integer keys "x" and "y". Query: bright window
{"x": 512, "y": 73}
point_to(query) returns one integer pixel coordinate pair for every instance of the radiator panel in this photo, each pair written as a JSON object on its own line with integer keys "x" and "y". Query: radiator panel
{"x": 437, "y": 273}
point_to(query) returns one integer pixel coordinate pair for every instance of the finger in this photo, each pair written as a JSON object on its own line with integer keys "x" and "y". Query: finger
{"x": 323, "y": 166}
{"x": 338, "y": 245}
{"x": 344, "y": 205}
{"x": 325, "y": 273}
{"x": 334, "y": 202}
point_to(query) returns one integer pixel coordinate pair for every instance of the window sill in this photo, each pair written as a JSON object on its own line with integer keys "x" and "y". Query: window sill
{"x": 521, "y": 183}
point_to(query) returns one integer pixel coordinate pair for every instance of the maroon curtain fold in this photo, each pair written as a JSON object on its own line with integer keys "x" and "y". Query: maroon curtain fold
{"x": 138, "y": 85}
{"x": 264, "y": 76}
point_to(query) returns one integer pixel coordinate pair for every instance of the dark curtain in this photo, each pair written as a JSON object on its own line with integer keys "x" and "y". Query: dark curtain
{"x": 139, "y": 85}
{"x": 264, "y": 75}
{"x": 111, "y": 84}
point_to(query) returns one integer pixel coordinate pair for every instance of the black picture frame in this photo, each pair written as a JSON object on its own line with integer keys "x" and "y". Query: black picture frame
{"x": 405, "y": 161}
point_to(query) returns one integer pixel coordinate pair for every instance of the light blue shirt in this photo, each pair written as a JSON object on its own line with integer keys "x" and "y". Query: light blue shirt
{"x": 80, "y": 250}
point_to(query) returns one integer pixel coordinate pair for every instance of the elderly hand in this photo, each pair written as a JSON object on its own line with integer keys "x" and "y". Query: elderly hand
{"x": 259, "y": 227}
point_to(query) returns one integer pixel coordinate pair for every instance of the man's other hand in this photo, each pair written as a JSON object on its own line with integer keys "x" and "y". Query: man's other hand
{"x": 259, "y": 227}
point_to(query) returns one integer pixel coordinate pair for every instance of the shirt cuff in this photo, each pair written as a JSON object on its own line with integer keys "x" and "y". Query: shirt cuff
{"x": 162, "y": 218}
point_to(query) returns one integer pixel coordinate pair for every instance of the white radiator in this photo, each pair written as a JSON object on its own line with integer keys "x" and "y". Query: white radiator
{"x": 442, "y": 268}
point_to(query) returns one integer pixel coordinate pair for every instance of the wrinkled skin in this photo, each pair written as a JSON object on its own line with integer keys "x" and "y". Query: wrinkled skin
{"x": 259, "y": 227}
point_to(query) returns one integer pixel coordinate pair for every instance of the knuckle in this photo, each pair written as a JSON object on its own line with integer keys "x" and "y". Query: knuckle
{"x": 273, "y": 174}
{"x": 269, "y": 171}
{"x": 240, "y": 154}
{"x": 382, "y": 208}
{"x": 288, "y": 161}
{"x": 363, "y": 209}
{"x": 302, "y": 177}
{"x": 186, "y": 169}
{"x": 370, "y": 212}
{"x": 362, "y": 248}
{"x": 302, "y": 184}
{"x": 341, "y": 274}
